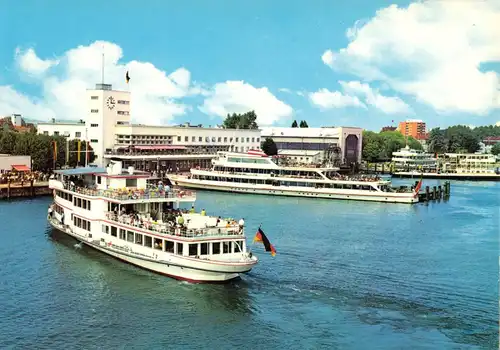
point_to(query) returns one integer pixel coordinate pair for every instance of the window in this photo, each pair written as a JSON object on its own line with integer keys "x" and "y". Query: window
{"x": 45, "y": 132}
{"x": 148, "y": 241}
{"x": 94, "y": 111}
{"x": 193, "y": 249}
{"x": 203, "y": 248}
{"x": 81, "y": 223}
{"x": 248, "y": 139}
{"x": 78, "y": 134}
{"x": 226, "y": 247}
{"x": 238, "y": 245}
{"x": 56, "y": 133}
{"x": 123, "y": 113}
{"x": 225, "y": 139}
{"x": 99, "y": 180}
{"x": 180, "y": 247}
{"x": 200, "y": 139}
{"x": 130, "y": 236}
{"x": 94, "y": 125}
{"x": 216, "y": 248}
{"x": 258, "y": 140}
{"x": 193, "y": 139}
{"x": 178, "y": 138}
{"x": 93, "y": 141}
{"x": 105, "y": 229}
{"x": 219, "y": 139}
{"x": 169, "y": 246}
{"x": 94, "y": 97}
{"x": 237, "y": 139}
{"x": 123, "y": 102}
{"x": 113, "y": 231}
{"x": 138, "y": 238}
{"x": 158, "y": 244}
{"x": 186, "y": 138}
{"x": 122, "y": 234}
{"x": 253, "y": 139}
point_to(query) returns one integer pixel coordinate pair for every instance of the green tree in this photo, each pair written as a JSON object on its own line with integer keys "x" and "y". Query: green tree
{"x": 7, "y": 141}
{"x": 269, "y": 147}
{"x": 461, "y": 139}
{"x": 303, "y": 124}
{"x": 496, "y": 149}
{"x": 294, "y": 124}
{"x": 246, "y": 120}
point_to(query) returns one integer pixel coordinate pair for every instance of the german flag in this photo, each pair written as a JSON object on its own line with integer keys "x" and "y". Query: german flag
{"x": 127, "y": 78}
{"x": 419, "y": 186}
{"x": 261, "y": 237}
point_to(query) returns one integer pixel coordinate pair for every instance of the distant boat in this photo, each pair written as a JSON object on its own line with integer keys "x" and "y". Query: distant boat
{"x": 257, "y": 173}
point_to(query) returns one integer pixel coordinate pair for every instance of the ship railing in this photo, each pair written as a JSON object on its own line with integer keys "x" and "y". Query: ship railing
{"x": 134, "y": 194}
{"x": 175, "y": 230}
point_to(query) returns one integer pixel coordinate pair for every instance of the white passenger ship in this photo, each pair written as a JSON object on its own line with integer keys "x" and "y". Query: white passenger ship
{"x": 116, "y": 213}
{"x": 259, "y": 174}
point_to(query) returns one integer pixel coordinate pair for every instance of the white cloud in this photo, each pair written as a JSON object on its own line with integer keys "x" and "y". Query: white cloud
{"x": 386, "y": 104}
{"x": 432, "y": 50}
{"x": 241, "y": 97}
{"x": 31, "y": 64}
{"x": 155, "y": 93}
{"x": 328, "y": 57}
{"x": 326, "y": 99}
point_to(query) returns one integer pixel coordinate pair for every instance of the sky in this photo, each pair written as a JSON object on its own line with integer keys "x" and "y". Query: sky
{"x": 332, "y": 63}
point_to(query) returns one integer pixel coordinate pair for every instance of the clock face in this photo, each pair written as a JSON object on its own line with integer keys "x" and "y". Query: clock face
{"x": 110, "y": 102}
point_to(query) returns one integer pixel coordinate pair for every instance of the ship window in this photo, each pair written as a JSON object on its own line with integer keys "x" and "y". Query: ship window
{"x": 122, "y": 234}
{"x": 113, "y": 231}
{"x": 148, "y": 241}
{"x": 130, "y": 236}
{"x": 193, "y": 249}
{"x": 105, "y": 229}
{"x": 216, "y": 248}
{"x": 131, "y": 183}
{"x": 226, "y": 247}
{"x": 158, "y": 244}
{"x": 180, "y": 247}
{"x": 169, "y": 246}
{"x": 138, "y": 238}
{"x": 238, "y": 245}
{"x": 203, "y": 248}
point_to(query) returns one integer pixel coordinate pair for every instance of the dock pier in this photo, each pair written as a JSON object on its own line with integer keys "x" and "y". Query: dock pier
{"x": 436, "y": 193}
{"x": 28, "y": 190}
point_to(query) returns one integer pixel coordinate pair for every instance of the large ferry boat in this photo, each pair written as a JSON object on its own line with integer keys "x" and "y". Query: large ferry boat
{"x": 257, "y": 173}
{"x": 117, "y": 213}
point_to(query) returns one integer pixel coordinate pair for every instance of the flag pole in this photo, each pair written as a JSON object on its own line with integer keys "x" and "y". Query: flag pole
{"x": 102, "y": 66}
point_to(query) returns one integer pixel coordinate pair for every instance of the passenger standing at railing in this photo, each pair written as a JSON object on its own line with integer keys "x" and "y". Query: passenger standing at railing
{"x": 241, "y": 224}
{"x": 203, "y": 212}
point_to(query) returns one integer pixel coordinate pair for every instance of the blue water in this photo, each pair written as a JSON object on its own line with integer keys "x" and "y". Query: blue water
{"x": 348, "y": 275}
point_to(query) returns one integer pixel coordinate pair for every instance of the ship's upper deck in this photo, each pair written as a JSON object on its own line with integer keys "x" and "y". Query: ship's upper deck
{"x": 114, "y": 183}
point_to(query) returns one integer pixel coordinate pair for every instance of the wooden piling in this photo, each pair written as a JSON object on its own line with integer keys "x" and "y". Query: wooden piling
{"x": 434, "y": 192}
{"x": 32, "y": 189}
{"x": 427, "y": 193}
{"x": 440, "y": 191}
{"x": 8, "y": 189}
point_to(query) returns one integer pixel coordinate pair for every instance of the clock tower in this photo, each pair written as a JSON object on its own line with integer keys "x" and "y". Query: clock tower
{"x": 106, "y": 109}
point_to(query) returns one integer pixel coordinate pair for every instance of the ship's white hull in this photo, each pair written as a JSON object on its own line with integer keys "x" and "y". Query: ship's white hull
{"x": 388, "y": 197}
{"x": 182, "y": 268}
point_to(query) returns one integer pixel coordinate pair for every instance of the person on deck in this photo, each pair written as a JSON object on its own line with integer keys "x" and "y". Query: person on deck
{"x": 192, "y": 211}
{"x": 203, "y": 212}
{"x": 241, "y": 223}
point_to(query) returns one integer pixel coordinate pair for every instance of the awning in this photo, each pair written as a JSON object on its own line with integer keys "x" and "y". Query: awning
{"x": 20, "y": 168}
{"x": 158, "y": 147}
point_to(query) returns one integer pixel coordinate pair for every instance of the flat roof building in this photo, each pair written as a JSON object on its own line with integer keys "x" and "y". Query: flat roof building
{"x": 111, "y": 134}
{"x": 338, "y": 146}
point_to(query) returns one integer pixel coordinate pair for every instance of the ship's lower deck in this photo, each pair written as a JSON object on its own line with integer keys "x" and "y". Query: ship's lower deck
{"x": 192, "y": 269}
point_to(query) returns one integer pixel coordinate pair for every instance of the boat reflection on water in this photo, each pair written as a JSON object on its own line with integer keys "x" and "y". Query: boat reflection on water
{"x": 105, "y": 278}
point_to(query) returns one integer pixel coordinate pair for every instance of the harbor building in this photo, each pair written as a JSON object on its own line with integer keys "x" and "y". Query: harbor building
{"x": 112, "y": 135}
{"x": 14, "y": 163}
{"x": 336, "y": 146}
